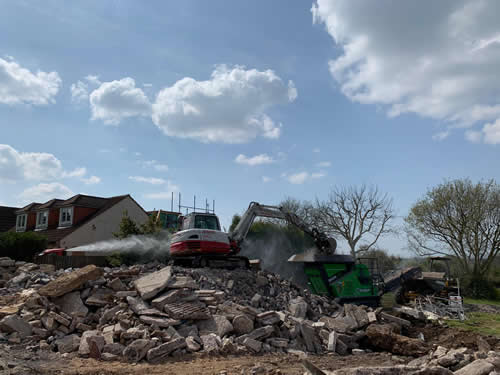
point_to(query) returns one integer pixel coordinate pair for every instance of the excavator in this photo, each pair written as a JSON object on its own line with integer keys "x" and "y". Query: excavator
{"x": 201, "y": 243}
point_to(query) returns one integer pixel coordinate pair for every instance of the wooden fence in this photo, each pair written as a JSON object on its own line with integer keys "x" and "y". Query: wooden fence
{"x": 77, "y": 261}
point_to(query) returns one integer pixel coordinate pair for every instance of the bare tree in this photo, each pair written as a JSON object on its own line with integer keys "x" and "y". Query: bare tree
{"x": 458, "y": 218}
{"x": 356, "y": 213}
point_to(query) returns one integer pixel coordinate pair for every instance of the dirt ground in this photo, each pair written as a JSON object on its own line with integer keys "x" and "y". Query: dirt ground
{"x": 51, "y": 364}
{"x": 18, "y": 360}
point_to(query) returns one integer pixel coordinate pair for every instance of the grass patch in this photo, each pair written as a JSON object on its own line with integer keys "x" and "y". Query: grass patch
{"x": 479, "y": 322}
{"x": 473, "y": 301}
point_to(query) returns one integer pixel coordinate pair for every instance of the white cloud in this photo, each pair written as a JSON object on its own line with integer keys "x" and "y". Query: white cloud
{"x": 254, "y": 160}
{"x": 440, "y": 136}
{"x": 155, "y": 165}
{"x": 78, "y": 172}
{"x": 167, "y": 194}
{"x": 473, "y": 136}
{"x": 113, "y": 101}
{"x": 298, "y": 178}
{"x": 148, "y": 180}
{"x": 266, "y": 179}
{"x": 447, "y": 70}
{"x": 137, "y": 153}
{"x": 316, "y": 150}
{"x": 18, "y": 85}
{"x": 93, "y": 79}
{"x": 492, "y": 133}
{"x": 324, "y": 164}
{"x": 46, "y": 191}
{"x": 318, "y": 175}
{"x": 92, "y": 180}
{"x": 79, "y": 92}
{"x": 301, "y": 177}
{"x": 229, "y": 107}
{"x": 147, "y": 85}
{"x": 17, "y": 166}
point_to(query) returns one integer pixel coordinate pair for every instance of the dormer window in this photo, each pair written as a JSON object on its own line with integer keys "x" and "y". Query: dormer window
{"x": 42, "y": 219}
{"x": 21, "y": 222}
{"x": 66, "y": 216}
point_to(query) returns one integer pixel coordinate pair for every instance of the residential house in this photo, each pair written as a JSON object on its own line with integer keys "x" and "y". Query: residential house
{"x": 79, "y": 220}
{"x": 7, "y": 218}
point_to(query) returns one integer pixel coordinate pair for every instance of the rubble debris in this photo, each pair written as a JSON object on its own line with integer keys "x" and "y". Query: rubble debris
{"x": 151, "y": 312}
{"x": 150, "y": 285}
{"x": 70, "y": 281}
{"x": 383, "y": 336}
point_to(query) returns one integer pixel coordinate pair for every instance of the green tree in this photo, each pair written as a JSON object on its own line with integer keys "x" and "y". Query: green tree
{"x": 234, "y": 222}
{"x": 461, "y": 219}
{"x": 151, "y": 226}
{"x": 22, "y": 246}
{"x": 128, "y": 227}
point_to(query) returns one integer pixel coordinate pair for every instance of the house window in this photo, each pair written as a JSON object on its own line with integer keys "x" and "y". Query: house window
{"x": 66, "y": 216}
{"x": 21, "y": 222}
{"x": 42, "y": 219}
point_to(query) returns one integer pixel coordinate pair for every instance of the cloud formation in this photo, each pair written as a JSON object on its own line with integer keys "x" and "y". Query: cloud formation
{"x": 148, "y": 180}
{"x": 114, "y": 101}
{"x": 254, "y": 160}
{"x": 447, "y": 70}
{"x": 230, "y": 107}
{"x": 45, "y": 191}
{"x": 19, "y": 85}
{"x": 301, "y": 177}
{"x": 18, "y": 166}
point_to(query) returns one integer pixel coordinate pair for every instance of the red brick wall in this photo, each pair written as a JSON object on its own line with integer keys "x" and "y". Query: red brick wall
{"x": 80, "y": 213}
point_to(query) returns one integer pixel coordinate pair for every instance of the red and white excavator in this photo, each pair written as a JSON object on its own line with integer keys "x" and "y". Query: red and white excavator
{"x": 201, "y": 243}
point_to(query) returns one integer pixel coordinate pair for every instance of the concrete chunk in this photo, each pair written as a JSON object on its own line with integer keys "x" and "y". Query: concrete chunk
{"x": 13, "y": 323}
{"x": 242, "y": 324}
{"x": 155, "y": 355}
{"x": 217, "y": 324}
{"x": 68, "y": 344}
{"x": 151, "y": 285}
{"x": 137, "y": 350}
{"x": 72, "y": 304}
{"x": 478, "y": 367}
{"x": 252, "y": 344}
{"x": 68, "y": 282}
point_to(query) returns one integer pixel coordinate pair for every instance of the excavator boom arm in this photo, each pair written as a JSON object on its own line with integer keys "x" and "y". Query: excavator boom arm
{"x": 324, "y": 243}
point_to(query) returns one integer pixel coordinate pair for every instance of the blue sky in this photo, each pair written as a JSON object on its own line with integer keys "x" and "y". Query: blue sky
{"x": 246, "y": 101}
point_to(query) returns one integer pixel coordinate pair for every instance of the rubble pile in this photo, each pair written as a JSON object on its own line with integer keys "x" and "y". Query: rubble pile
{"x": 151, "y": 312}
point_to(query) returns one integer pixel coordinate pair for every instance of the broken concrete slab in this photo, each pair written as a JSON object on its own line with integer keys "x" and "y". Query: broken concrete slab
{"x": 181, "y": 282}
{"x": 268, "y": 318}
{"x": 211, "y": 343}
{"x": 298, "y": 308}
{"x": 68, "y": 344}
{"x": 83, "y": 349}
{"x": 150, "y": 285}
{"x": 158, "y": 353}
{"x": 478, "y": 367}
{"x": 72, "y": 304}
{"x": 70, "y": 281}
{"x": 217, "y": 324}
{"x": 117, "y": 285}
{"x": 137, "y": 349}
{"x": 242, "y": 324}
{"x": 395, "y": 319}
{"x": 252, "y": 344}
{"x": 13, "y": 323}
{"x": 187, "y": 310}
{"x": 159, "y": 322}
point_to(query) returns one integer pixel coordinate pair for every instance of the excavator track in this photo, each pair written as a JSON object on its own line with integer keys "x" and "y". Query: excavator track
{"x": 212, "y": 261}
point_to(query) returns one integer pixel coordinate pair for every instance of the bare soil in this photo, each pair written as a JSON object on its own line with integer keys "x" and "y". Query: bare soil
{"x": 18, "y": 360}
{"x": 21, "y": 362}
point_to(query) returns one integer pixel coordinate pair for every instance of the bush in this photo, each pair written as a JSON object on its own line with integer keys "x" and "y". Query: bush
{"x": 22, "y": 246}
{"x": 479, "y": 288}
